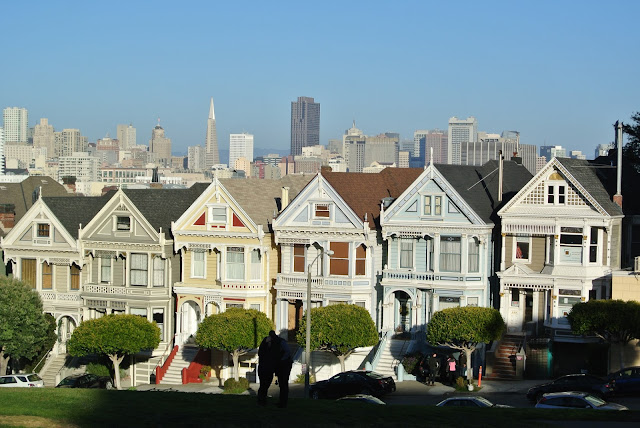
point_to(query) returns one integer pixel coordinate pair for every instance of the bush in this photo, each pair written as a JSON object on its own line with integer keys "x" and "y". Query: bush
{"x": 411, "y": 362}
{"x": 231, "y": 386}
{"x": 204, "y": 372}
{"x": 300, "y": 378}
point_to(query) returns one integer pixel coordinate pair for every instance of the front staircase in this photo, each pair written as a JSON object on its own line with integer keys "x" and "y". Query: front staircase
{"x": 390, "y": 357}
{"x": 51, "y": 369}
{"x": 183, "y": 358}
{"x": 504, "y": 363}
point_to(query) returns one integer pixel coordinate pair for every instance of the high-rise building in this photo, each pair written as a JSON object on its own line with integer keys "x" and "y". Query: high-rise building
{"x": 15, "y": 124}
{"x": 195, "y": 158}
{"x": 240, "y": 146}
{"x": 211, "y": 144}
{"x": 1, "y": 151}
{"x": 603, "y": 149}
{"x": 423, "y": 143}
{"x": 382, "y": 149}
{"x": 68, "y": 142}
{"x": 79, "y": 165}
{"x": 460, "y": 131}
{"x": 160, "y": 146}
{"x": 126, "y": 135}
{"x": 489, "y": 147}
{"x": 305, "y": 124}
{"x": 43, "y": 136}
{"x": 553, "y": 152}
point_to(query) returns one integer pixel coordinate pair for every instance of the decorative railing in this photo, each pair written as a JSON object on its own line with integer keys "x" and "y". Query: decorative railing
{"x": 122, "y": 290}
{"x": 381, "y": 346}
{"x": 300, "y": 280}
{"x": 49, "y": 296}
{"x": 408, "y": 276}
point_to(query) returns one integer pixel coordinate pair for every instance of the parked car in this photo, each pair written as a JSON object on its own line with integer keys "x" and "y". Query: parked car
{"x": 626, "y": 381}
{"x": 575, "y": 400}
{"x": 471, "y": 401}
{"x": 362, "y": 398}
{"x": 353, "y": 382}
{"x": 21, "y": 380}
{"x": 86, "y": 380}
{"x": 573, "y": 382}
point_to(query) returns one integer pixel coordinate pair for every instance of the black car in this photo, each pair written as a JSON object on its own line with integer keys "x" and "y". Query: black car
{"x": 353, "y": 382}
{"x": 573, "y": 382}
{"x": 86, "y": 381}
{"x": 626, "y": 381}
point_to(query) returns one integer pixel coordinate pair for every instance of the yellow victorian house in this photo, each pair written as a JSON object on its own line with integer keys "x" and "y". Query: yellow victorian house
{"x": 229, "y": 257}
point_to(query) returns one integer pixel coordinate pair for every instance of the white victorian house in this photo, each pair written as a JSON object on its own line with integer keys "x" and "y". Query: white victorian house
{"x": 439, "y": 236}
{"x": 561, "y": 238}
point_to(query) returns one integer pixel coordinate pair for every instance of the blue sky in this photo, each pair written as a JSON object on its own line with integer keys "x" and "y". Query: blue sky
{"x": 560, "y": 72}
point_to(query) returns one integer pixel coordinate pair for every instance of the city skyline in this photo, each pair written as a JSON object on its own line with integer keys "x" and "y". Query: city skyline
{"x": 559, "y": 75}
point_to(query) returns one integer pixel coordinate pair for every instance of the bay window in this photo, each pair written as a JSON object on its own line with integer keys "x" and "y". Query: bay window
{"x": 235, "y": 263}
{"x": 139, "y": 269}
{"x": 406, "y": 253}
{"x": 339, "y": 261}
{"x": 450, "y": 254}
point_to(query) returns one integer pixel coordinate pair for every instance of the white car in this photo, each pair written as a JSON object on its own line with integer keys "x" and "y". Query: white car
{"x": 21, "y": 380}
{"x": 575, "y": 400}
{"x": 469, "y": 401}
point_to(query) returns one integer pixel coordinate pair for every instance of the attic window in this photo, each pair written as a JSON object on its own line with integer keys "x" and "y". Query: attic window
{"x": 218, "y": 214}
{"x": 43, "y": 230}
{"x": 322, "y": 211}
{"x": 123, "y": 223}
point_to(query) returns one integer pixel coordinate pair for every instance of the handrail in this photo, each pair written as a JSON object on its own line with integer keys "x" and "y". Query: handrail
{"x": 46, "y": 356}
{"x": 160, "y": 371}
{"x": 166, "y": 352}
{"x": 381, "y": 346}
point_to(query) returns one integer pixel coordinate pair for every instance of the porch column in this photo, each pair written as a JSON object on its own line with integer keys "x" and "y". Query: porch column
{"x": 502, "y": 251}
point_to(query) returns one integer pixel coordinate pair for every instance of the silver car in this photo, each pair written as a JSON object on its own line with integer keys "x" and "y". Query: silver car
{"x": 575, "y": 400}
{"x": 470, "y": 401}
{"x": 21, "y": 381}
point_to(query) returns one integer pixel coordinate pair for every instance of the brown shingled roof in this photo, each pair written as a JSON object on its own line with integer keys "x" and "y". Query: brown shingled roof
{"x": 364, "y": 192}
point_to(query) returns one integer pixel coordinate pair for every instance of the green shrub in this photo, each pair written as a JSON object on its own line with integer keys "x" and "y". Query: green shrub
{"x": 233, "y": 387}
{"x": 461, "y": 384}
{"x": 204, "y": 372}
{"x": 300, "y": 378}
{"x": 411, "y": 361}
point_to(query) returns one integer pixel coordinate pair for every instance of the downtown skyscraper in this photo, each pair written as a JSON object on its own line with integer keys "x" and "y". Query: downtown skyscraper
{"x": 15, "y": 124}
{"x": 305, "y": 124}
{"x": 212, "y": 156}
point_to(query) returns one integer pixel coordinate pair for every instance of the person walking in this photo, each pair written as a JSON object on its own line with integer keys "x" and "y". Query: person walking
{"x": 451, "y": 369}
{"x": 268, "y": 357}
{"x": 282, "y": 368}
{"x": 434, "y": 366}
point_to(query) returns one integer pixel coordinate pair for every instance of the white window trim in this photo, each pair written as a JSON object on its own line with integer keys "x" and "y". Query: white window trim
{"x": 413, "y": 254}
{"x": 41, "y": 240}
{"x": 515, "y": 247}
{"x": 432, "y": 204}
{"x": 115, "y": 223}
{"x": 556, "y": 195}
{"x": 244, "y": 263}
{"x": 110, "y": 280}
{"x": 193, "y": 253}
{"x": 329, "y": 207}
{"x": 210, "y": 208}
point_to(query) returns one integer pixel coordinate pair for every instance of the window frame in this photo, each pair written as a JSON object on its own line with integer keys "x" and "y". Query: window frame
{"x": 338, "y": 260}
{"x": 74, "y": 277}
{"x": 154, "y": 261}
{"x": 433, "y": 205}
{"x": 361, "y": 260}
{"x": 296, "y": 259}
{"x": 476, "y": 245}
{"x": 48, "y": 275}
{"x": 119, "y": 219}
{"x": 514, "y": 253}
{"x": 411, "y": 252}
{"x": 255, "y": 267}
{"x": 102, "y": 267}
{"x": 138, "y": 270}
{"x": 451, "y": 238}
{"x": 43, "y": 226}
{"x": 217, "y": 219}
{"x": 316, "y": 211}
{"x": 194, "y": 263}
{"x": 228, "y": 263}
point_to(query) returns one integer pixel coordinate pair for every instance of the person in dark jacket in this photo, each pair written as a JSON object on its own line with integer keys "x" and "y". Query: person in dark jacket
{"x": 434, "y": 366}
{"x": 268, "y": 357}
{"x": 282, "y": 367}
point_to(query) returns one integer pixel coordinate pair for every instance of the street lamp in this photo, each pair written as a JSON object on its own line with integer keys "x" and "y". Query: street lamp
{"x": 307, "y": 355}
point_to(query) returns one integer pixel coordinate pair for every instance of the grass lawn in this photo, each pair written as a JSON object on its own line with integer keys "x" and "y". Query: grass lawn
{"x": 44, "y": 407}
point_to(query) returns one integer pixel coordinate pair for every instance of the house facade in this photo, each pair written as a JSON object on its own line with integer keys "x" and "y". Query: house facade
{"x": 229, "y": 257}
{"x": 561, "y": 239}
{"x": 439, "y": 236}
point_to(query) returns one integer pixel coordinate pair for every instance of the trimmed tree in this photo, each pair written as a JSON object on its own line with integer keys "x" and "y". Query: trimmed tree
{"x": 339, "y": 329}
{"x": 613, "y": 321}
{"x": 114, "y": 336}
{"x": 23, "y": 327}
{"x": 236, "y": 331}
{"x": 464, "y": 328}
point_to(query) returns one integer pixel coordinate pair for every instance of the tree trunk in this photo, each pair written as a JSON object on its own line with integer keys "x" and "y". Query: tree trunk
{"x": 468, "y": 353}
{"x": 116, "y": 369}
{"x": 236, "y": 365}
{"x": 4, "y": 362}
{"x": 341, "y": 358}
{"x": 621, "y": 355}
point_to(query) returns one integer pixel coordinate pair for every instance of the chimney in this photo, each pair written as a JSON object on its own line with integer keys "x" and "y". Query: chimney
{"x": 8, "y": 215}
{"x": 284, "y": 200}
{"x": 500, "y": 175}
{"x": 617, "y": 198}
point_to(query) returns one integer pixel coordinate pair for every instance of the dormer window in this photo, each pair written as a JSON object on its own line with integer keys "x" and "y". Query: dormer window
{"x": 123, "y": 223}
{"x": 43, "y": 230}
{"x": 556, "y": 190}
{"x": 433, "y": 205}
{"x": 218, "y": 214}
{"x": 322, "y": 211}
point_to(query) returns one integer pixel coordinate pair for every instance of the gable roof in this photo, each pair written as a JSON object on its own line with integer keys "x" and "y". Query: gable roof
{"x": 599, "y": 183}
{"x": 364, "y": 192}
{"x": 479, "y": 185}
{"x": 162, "y": 206}
{"x": 22, "y": 195}
{"x": 260, "y": 199}
{"x": 76, "y": 210}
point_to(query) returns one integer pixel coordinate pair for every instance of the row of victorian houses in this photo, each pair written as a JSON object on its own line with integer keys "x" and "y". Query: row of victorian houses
{"x": 403, "y": 244}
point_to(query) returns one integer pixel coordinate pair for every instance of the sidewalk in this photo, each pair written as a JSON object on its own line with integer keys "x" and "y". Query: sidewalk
{"x": 409, "y": 388}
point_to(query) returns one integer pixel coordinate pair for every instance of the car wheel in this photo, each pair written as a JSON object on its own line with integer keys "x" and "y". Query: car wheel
{"x": 109, "y": 385}
{"x": 315, "y": 395}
